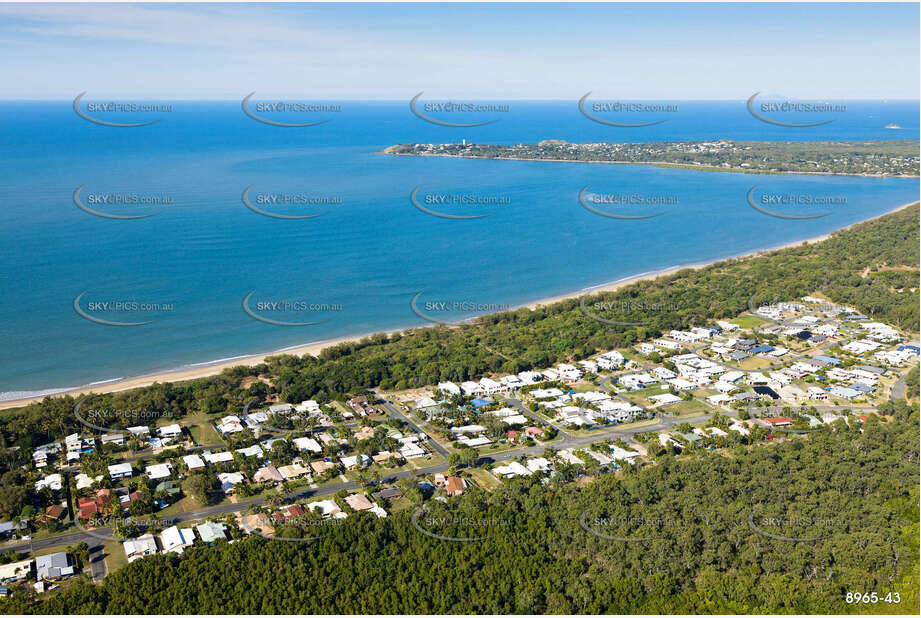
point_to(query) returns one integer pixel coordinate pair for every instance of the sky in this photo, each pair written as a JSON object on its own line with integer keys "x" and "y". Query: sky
{"x": 464, "y": 51}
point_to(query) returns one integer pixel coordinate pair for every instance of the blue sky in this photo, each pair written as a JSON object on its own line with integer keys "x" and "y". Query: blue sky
{"x": 485, "y": 51}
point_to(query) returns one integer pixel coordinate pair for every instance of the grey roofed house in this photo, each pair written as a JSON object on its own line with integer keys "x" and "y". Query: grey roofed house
{"x": 744, "y": 344}
{"x": 693, "y": 438}
{"x": 390, "y": 493}
{"x": 168, "y": 487}
{"x": 53, "y": 566}
{"x": 877, "y": 370}
{"x": 738, "y": 355}
{"x": 210, "y": 531}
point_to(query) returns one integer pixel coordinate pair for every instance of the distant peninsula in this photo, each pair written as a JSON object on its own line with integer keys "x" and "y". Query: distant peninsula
{"x": 864, "y": 158}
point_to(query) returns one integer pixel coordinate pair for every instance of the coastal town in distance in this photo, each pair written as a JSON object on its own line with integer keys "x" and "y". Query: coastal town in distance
{"x": 453, "y": 308}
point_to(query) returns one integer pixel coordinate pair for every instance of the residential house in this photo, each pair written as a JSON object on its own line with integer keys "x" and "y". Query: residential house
{"x": 145, "y": 545}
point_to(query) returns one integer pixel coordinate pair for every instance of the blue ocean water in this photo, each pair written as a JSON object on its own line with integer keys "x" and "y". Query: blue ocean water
{"x": 372, "y": 251}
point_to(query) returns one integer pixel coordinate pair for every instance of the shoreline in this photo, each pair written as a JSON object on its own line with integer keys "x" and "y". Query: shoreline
{"x": 196, "y": 371}
{"x": 665, "y": 164}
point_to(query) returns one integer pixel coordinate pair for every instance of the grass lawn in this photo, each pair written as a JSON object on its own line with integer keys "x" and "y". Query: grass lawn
{"x": 201, "y": 429}
{"x": 115, "y": 557}
{"x": 584, "y": 387}
{"x": 341, "y": 407}
{"x": 756, "y": 362}
{"x": 484, "y": 479}
{"x": 688, "y": 408}
{"x": 747, "y": 321}
{"x": 184, "y": 505}
{"x": 400, "y": 504}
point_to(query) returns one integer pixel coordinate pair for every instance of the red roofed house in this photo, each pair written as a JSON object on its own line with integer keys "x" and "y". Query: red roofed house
{"x": 533, "y": 432}
{"x": 91, "y": 506}
{"x": 455, "y": 486}
{"x": 778, "y": 421}
{"x": 512, "y": 435}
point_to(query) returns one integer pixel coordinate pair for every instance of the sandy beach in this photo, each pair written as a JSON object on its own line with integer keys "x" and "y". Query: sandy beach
{"x": 314, "y": 349}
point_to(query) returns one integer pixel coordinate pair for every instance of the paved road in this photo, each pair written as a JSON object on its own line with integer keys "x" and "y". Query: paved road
{"x": 395, "y": 413}
{"x": 518, "y": 405}
{"x": 898, "y": 389}
{"x": 95, "y": 537}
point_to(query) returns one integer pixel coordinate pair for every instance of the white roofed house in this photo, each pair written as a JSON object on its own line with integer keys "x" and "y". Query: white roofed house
{"x": 255, "y": 420}
{"x": 284, "y": 408}
{"x": 230, "y": 424}
{"x": 194, "y": 462}
{"x": 142, "y": 546}
{"x": 170, "y": 431}
{"x": 637, "y": 381}
{"x": 176, "y": 539}
{"x": 449, "y": 388}
{"x": 531, "y": 377}
{"x": 120, "y": 471}
{"x": 589, "y": 366}
{"x": 664, "y": 399}
{"x": 569, "y": 373}
{"x": 610, "y": 360}
{"x": 816, "y": 393}
{"x": 159, "y": 471}
{"x": 251, "y": 451}
{"x": 52, "y": 482}
{"x": 780, "y": 378}
{"x": 216, "y": 458}
{"x": 490, "y": 386}
{"x": 470, "y": 389}
{"x": 681, "y": 385}
{"x": 646, "y": 349}
{"x": 307, "y": 444}
{"x": 665, "y": 344}
{"x": 229, "y": 480}
{"x": 117, "y": 439}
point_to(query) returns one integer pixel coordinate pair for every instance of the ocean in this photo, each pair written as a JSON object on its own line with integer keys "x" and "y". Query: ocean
{"x": 354, "y": 269}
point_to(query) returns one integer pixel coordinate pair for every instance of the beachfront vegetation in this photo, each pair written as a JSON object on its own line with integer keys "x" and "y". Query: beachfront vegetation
{"x": 877, "y": 158}
{"x": 705, "y": 524}
{"x": 872, "y": 266}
